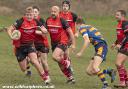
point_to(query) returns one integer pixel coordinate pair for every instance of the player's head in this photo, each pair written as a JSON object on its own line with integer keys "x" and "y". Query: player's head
{"x": 29, "y": 13}
{"x": 80, "y": 20}
{"x": 36, "y": 11}
{"x": 120, "y": 14}
{"x": 66, "y": 5}
{"x": 55, "y": 11}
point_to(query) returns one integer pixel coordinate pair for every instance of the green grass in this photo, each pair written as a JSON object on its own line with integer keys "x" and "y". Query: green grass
{"x": 10, "y": 73}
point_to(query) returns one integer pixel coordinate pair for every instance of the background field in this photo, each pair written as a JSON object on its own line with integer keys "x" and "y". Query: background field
{"x": 96, "y": 12}
{"x": 10, "y": 73}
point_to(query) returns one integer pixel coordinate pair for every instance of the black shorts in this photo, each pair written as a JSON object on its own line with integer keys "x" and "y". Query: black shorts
{"x": 23, "y": 51}
{"x": 69, "y": 44}
{"x": 59, "y": 45}
{"x": 42, "y": 48}
{"x": 124, "y": 50}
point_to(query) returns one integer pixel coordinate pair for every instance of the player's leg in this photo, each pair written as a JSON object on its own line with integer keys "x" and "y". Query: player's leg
{"x": 33, "y": 58}
{"x": 42, "y": 57}
{"x": 121, "y": 58}
{"x": 44, "y": 60}
{"x": 23, "y": 65}
{"x": 28, "y": 72}
{"x": 68, "y": 72}
{"x": 58, "y": 55}
{"x": 99, "y": 72}
{"x": 67, "y": 57}
{"x": 89, "y": 68}
{"x": 21, "y": 58}
{"x": 100, "y": 56}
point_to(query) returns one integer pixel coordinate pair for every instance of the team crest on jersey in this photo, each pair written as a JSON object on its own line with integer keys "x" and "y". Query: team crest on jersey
{"x": 29, "y": 31}
{"x": 54, "y": 30}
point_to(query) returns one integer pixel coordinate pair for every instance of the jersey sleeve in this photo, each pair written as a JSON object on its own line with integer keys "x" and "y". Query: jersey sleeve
{"x": 74, "y": 17}
{"x": 65, "y": 24}
{"x": 43, "y": 22}
{"x": 125, "y": 27}
{"x": 18, "y": 23}
{"x": 83, "y": 31}
{"x": 46, "y": 25}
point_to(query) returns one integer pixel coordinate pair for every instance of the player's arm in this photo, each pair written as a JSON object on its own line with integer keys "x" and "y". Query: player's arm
{"x": 69, "y": 30}
{"x": 74, "y": 20}
{"x": 13, "y": 27}
{"x": 125, "y": 27}
{"x": 86, "y": 42}
{"x": 41, "y": 27}
{"x": 10, "y": 30}
{"x": 71, "y": 36}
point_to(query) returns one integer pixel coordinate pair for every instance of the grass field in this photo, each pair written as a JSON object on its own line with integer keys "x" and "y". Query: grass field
{"x": 10, "y": 73}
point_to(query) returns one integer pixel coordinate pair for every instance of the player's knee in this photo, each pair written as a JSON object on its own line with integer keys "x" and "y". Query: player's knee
{"x": 56, "y": 57}
{"x": 88, "y": 72}
{"x": 23, "y": 69}
{"x": 118, "y": 64}
{"x": 45, "y": 62}
{"x": 35, "y": 61}
{"x": 95, "y": 70}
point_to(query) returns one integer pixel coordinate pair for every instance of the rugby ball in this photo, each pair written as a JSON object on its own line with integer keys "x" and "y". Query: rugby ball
{"x": 16, "y": 35}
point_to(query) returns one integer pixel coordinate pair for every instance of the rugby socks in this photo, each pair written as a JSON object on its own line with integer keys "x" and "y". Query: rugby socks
{"x": 126, "y": 77}
{"x": 28, "y": 67}
{"x": 43, "y": 76}
{"x": 65, "y": 70}
{"x": 101, "y": 75}
{"x": 63, "y": 66}
{"x": 46, "y": 72}
{"x": 106, "y": 71}
{"x": 65, "y": 63}
{"x": 121, "y": 71}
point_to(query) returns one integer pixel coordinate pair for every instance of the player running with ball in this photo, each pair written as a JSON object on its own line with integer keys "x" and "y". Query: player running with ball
{"x": 27, "y": 26}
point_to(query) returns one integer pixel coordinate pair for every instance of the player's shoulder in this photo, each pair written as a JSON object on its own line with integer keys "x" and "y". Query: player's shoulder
{"x": 19, "y": 19}
{"x": 73, "y": 13}
{"x": 84, "y": 26}
{"x": 42, "y": 19}
{"x": 48, "y": 19}
{"x": 125, "y": 22}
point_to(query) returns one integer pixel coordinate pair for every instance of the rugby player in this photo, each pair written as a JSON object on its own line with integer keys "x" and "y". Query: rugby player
{"x": 41, "y": 43}
{"x": 71, "y": 18}
{"x": 122, "y": 45}
{"x": 92, "y": 35}
{"x": 58, "y": 29}
{"x": 27, "y": 26}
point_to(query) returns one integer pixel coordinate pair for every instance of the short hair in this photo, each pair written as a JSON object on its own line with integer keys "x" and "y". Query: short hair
{"x": 123, "y": 12}
{"x": 66, "y": 2}
{"x": 36, "y": 7}
{"x": 80, "y": 20}
{"x": 29, "y": 9}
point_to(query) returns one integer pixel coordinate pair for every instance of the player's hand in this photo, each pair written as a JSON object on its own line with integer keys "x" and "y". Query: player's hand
{"x": 117, "y": 46}
{"x": 38, "y": 27}
{"x": 73, "y": 48}
{"x": 79, "y": 54}
{"x": 113, "y": 46}
{"x": 76, "y": 35}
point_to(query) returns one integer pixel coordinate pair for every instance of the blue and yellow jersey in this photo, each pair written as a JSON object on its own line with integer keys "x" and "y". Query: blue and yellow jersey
{"x": 94, "y": 35}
